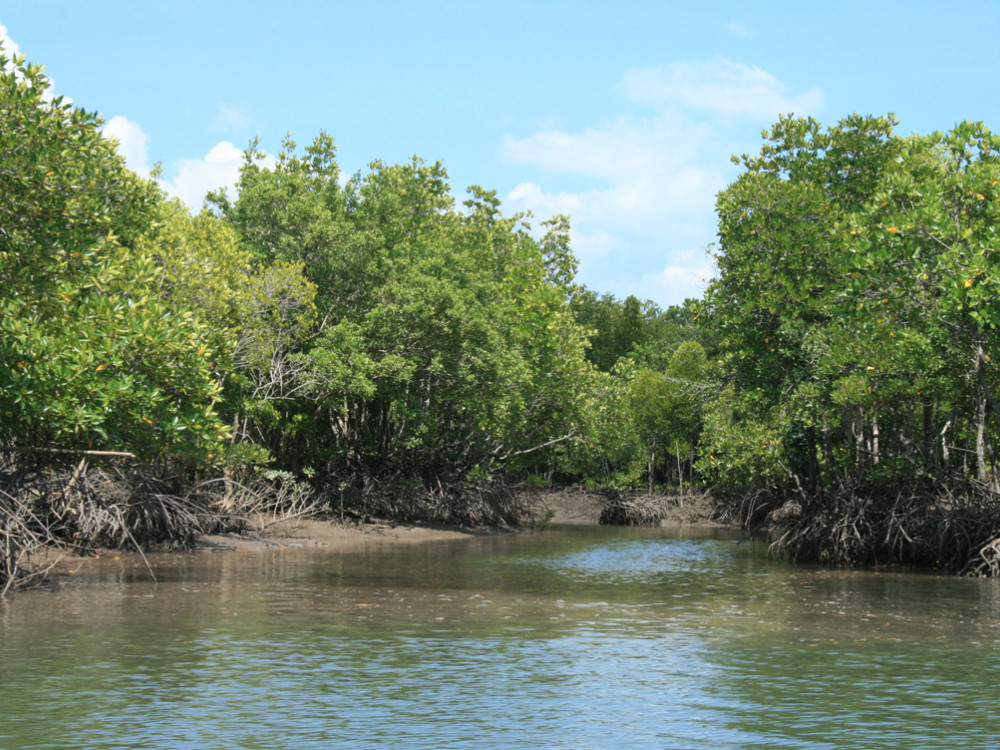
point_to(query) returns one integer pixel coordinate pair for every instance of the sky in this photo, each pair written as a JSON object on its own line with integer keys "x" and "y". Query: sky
{"x": 622, "y": 114}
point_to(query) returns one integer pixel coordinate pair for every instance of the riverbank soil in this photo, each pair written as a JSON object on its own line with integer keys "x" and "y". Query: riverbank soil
{"x": 300, "y": 533}
{"x": 556, "y": 507}
{"x": 572, "y": 506}
{"x": 549, "y": 506}
{"x": 567, "y": 506}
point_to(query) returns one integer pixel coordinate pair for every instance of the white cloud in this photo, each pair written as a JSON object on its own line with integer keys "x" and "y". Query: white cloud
{"x": 220, "y": 168}
{"x": 10, "y": 47}
{"x": 193, "y": 178}
{"x": 686, "y": 278}
{"x": 645, "y": 184}
{"x": 544, "y": 203}
{"x": 720, "y": 86}
{"x": 131, "y": 143}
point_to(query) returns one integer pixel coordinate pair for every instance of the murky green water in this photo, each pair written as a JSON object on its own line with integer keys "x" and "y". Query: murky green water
{"x": 570, "y": 638}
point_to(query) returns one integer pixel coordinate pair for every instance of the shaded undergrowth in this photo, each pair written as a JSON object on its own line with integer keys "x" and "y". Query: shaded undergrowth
{"x": 494, "y": 502}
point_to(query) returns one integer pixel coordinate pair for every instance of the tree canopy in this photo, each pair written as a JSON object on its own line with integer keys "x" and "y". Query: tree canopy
{"x": 383, "y": 340}
{"x": 92, "y": 355}
{"x": 856, "y": 308}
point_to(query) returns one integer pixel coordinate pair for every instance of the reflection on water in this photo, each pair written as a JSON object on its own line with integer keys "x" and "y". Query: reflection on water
{"x": 567, "y": 638}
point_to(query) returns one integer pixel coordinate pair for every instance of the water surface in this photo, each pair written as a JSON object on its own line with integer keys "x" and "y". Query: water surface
{"x": 574, "y": 637}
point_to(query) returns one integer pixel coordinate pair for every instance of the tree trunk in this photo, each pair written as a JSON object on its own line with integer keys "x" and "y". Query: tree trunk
{"x": 984, "y": 403}
{"x": 652, "y": 469}
{"x": 680, "y": 471}
{"x": 875, "y": 435}
{"x": 930, "y": 437}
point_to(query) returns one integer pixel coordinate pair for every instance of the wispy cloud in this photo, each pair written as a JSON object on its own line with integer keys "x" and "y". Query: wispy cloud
{"x": 687, "y": 276}
{"x": 654, "y": 172}
{"x": 719, "y": 86}
{"x": 740, "y": 31}
{"x": 231, "y": 120}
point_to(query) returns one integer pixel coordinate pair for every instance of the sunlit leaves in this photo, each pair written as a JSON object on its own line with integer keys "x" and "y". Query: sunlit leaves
{"x": 101, "y": 359}
{"x": 441, "y": 341}
{"x": 858, "y": 278}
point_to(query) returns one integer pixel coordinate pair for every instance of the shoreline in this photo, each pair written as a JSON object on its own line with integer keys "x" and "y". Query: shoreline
{"x": 559, "y": 507}
{"x": 304, "y": 533}
{"x": 301, "y": 533}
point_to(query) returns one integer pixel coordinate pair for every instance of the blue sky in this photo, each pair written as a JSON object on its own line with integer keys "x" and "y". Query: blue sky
{"x": 621, "y": 114}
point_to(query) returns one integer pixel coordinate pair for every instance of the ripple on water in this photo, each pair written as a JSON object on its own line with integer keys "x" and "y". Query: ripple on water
{"x": 589, "y": 639}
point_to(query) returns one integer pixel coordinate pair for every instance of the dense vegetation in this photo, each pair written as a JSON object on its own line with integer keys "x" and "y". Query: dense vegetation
{"x": 858, "y": 308}
{"x": 369, "y": 345}
{"x": 367, "y": 339}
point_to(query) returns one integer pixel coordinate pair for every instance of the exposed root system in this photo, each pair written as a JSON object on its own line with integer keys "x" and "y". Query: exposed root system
{"x": 493, "y": 503}
{"x": 264, "y": 497}
{"x": 83, "y": 509}
{"x": 628, "y": 509}
{"x": 22, "y": 533}
{"x": 922, "y": 524}
{"x": 125, "y": 510}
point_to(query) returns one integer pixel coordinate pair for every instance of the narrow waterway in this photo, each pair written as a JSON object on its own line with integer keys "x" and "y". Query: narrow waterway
{"x": 574, "y": 637}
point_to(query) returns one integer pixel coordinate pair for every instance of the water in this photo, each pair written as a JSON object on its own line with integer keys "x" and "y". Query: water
{"x": 570, "y": 638}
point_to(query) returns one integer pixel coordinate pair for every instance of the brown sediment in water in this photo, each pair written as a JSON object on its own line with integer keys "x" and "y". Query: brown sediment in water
{"x": 272, "y": 536}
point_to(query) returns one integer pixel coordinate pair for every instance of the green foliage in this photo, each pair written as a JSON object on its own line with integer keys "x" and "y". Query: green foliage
{"x": 643, "y": 423}
{"x": 369, "y": 329}
{"x": 256, "y": 313}
{"x": 742, "y": 456}
{"x": 637, "y": 330}
{"x": 92, "y": 357}
{"x": 443, "y": 347}
{"x": 666, "y": 409}
{"x": 856, "y": 300}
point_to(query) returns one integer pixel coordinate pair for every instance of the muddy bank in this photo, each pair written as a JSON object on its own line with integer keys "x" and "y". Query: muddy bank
{"x": 274, "y": 536}
{"x": 306, "y": 533}
{"x": 570, "y": 506}
{"x": 575, "y": 507}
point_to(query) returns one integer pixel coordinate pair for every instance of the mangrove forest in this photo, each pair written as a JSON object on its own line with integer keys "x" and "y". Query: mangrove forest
{"x": 374, "y": 347}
